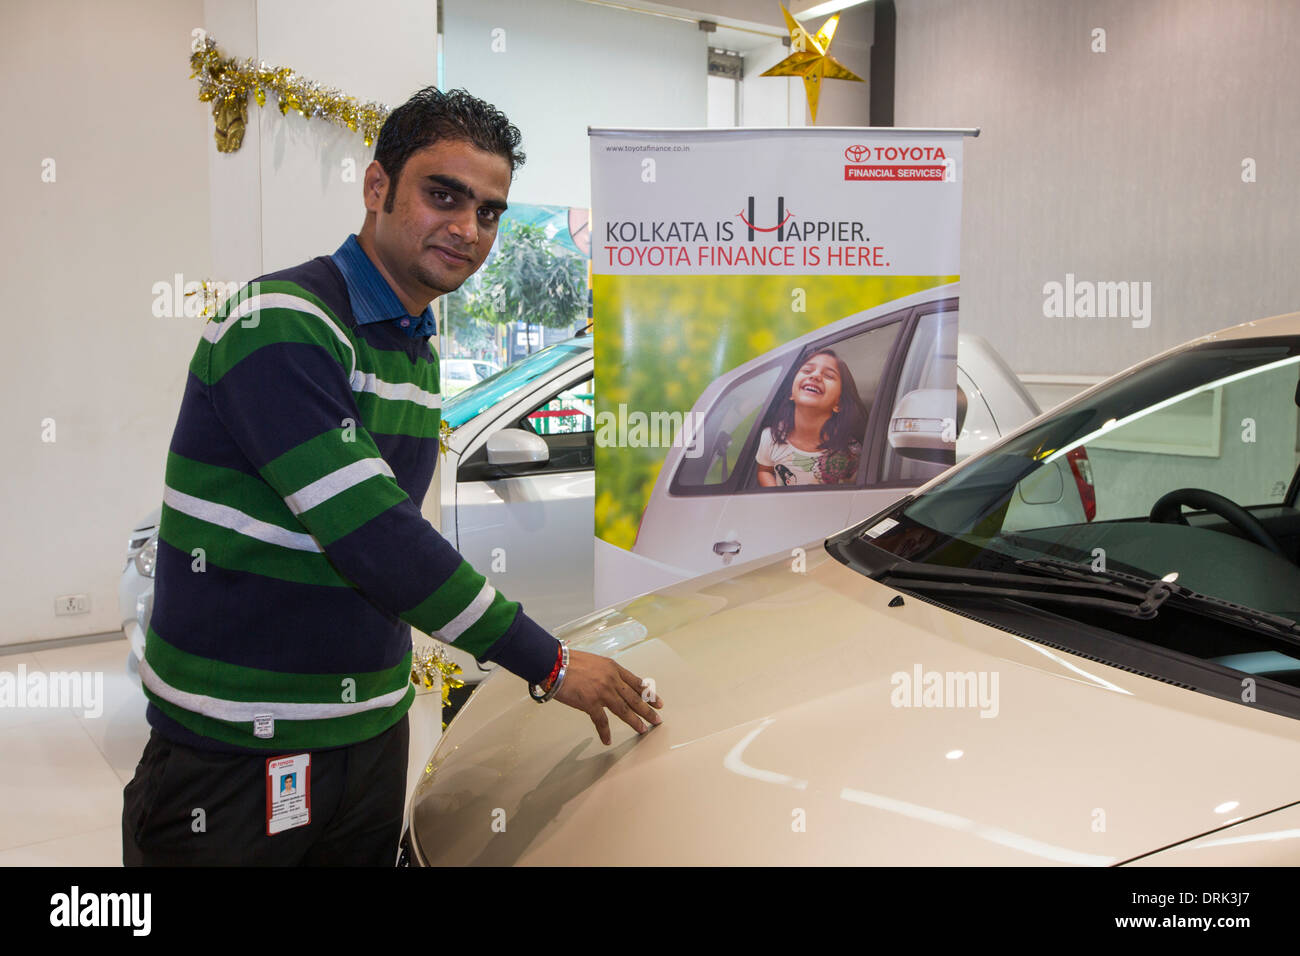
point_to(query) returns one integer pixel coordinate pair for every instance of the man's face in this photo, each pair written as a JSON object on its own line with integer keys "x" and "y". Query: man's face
{"x": 446, "y": 207}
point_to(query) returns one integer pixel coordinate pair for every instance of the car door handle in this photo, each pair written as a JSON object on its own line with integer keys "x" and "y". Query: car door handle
{"x": 725, "y": 548}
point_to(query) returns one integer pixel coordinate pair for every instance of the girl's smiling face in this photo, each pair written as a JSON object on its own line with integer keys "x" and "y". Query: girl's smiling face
{"x": 817, "y": 384}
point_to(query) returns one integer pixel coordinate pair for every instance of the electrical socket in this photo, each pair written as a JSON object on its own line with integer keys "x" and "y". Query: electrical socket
{"x": 72, "y": 604}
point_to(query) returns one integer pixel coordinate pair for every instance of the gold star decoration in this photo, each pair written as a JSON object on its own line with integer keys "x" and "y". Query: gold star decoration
{"x": 811, "y": 59}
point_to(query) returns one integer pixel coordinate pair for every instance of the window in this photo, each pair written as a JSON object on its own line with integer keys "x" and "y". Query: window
{"x": 567, "y": 424}
{"x": 734, "y": 425}
{"x": 481, "y": 396}
{"x": 931, "y": 364}
{"x": 1253, "y": 462}
{"x": 728, "y": 428}
{"x": 861, "y": 360}
{"x": 726, "y": 70}
{"x": 571, "y": 411}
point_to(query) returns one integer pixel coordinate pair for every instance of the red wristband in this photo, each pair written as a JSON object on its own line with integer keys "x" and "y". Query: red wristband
{"x": 555, "y": 671}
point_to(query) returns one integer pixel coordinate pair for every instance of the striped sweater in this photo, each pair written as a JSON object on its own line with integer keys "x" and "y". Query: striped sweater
{"x": 292, "y": 556}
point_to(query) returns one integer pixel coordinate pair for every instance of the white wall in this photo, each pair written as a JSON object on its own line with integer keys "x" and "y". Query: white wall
{"x": 772, "y": 100}
{"x": 1115, "y": 166}
{"x": 283, "y": 198}
{"x": 568, "y": 65}
{"x": 380, "y": 50}
{"x": 141, "y": 194}
{"x": 103, "y": 90}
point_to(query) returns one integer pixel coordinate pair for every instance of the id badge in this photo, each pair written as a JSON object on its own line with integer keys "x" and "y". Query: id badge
{"x": 288, "y": 793}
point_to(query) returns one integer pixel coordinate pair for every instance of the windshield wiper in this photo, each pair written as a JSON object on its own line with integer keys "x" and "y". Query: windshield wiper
{"x": 1127, "y": 594}
{"x": 1080, "y": 590}
{"x": 1183, "y": 597}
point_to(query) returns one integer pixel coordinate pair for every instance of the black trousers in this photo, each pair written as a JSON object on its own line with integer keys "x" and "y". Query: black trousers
{"x": 188, "y": 807}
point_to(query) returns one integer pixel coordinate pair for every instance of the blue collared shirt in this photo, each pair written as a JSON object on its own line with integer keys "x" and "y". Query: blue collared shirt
{"x": 372, "y": 298}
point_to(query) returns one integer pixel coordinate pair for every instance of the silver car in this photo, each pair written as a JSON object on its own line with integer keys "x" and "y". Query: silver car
{"x": 993, "y": 685}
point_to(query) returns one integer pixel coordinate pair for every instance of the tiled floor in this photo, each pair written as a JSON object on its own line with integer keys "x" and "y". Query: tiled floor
{"x": 64, "y": 770}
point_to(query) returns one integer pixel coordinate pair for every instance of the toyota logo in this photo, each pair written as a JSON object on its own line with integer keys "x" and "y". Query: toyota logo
{"x": 855, "y": 154}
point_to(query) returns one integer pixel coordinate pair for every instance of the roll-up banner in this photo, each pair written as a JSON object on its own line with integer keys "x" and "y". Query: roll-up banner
{"x": 775, "y": 339}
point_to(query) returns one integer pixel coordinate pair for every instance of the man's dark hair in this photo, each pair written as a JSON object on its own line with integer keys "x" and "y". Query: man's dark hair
{"x": 432, "y": 115}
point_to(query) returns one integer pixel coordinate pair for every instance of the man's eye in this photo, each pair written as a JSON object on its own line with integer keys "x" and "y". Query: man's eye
{"x": 442, "y": 196}
{"x": 491, "y": 215}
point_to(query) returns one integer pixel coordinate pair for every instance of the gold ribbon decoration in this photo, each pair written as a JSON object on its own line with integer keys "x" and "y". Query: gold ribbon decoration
{"x": 226, "y": 82}
{"x": 230, "y": 115}
{"x": 213, "y": 295}
{"x": 432, "y": 667}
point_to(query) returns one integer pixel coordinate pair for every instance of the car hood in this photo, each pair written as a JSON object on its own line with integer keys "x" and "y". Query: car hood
{"x": 798, "y": 730}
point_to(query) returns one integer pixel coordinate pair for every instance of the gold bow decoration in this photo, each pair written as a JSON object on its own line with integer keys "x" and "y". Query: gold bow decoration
{"x": 433, "y": 667}
{"x": 213, "y": 294}
{"x": 230, "y": 117}
{"x": 225, "y": 83}
{"x": 810, "y": 58}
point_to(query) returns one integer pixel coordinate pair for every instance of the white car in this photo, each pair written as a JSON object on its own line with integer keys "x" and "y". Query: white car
{"x": 135, "y": 586}
{"x": 992, "y": 688}
{"x": 458, "y": 374}
{"x": 518, "y": 483}
{"x": 518, "y": 480}
{"x": 708, "y": 507}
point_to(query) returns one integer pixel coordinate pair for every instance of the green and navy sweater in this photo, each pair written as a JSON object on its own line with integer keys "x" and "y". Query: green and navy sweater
{"x": 292, "y": 556}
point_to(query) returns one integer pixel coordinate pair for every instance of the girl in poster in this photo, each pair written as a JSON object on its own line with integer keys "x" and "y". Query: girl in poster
{"x": 814, "y": 437}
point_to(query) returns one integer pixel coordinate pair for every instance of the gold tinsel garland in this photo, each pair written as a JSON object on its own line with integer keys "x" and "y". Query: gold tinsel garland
{"x": 435, "y": 661}
{"x": 225, "y": 83}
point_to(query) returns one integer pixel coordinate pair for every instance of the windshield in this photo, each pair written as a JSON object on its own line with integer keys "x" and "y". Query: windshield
{"x": 481, "y": 396}
{"x": 1182, "y": 470}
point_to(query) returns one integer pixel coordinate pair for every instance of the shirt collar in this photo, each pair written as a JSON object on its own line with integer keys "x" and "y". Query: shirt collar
{"x": 372, "y": 298}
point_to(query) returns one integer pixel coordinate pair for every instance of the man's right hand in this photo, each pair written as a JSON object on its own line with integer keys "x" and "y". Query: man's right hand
{"x": 593, "y": 683}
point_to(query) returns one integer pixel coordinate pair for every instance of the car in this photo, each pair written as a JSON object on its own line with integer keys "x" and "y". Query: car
{"x": 958, "y": 677}
{"x": 931, "y": 395}
{"x": 135, "y": 586}
{"x": 517, "y": 482}
{"x": 458, "y": 374}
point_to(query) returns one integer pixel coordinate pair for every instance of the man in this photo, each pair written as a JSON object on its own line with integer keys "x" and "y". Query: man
{"x": 292, "y": 555}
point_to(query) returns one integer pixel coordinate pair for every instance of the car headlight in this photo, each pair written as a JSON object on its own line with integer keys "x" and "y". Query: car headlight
{"x": 147, "y": 559}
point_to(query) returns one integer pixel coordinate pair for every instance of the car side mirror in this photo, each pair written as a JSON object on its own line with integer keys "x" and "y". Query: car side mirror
{"x": 923, "y": 425}
{"x": 514, "y": 446}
